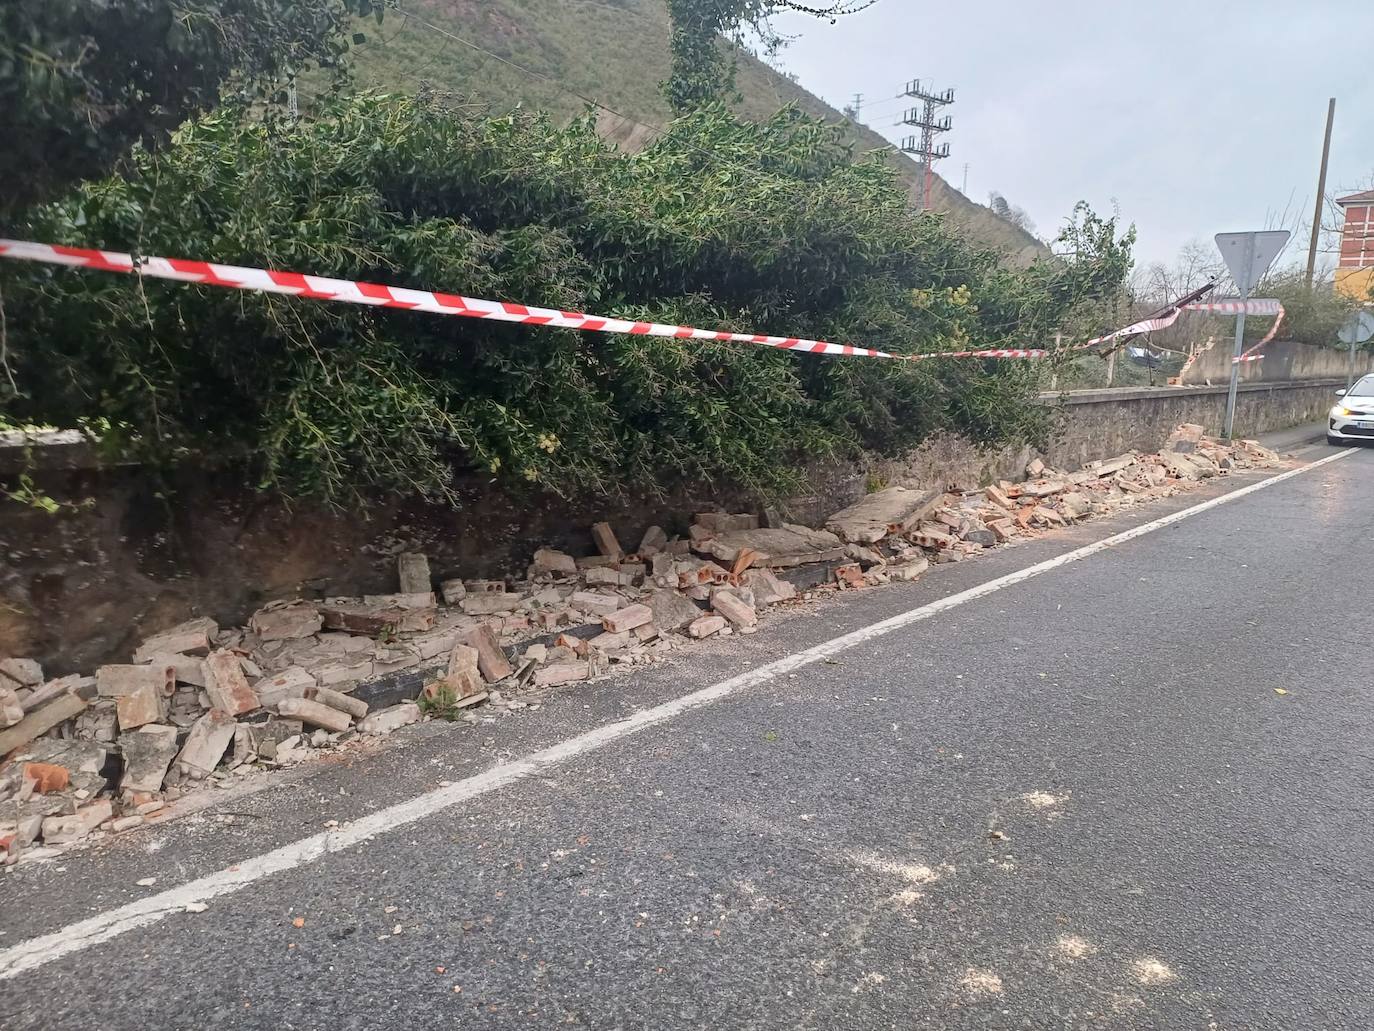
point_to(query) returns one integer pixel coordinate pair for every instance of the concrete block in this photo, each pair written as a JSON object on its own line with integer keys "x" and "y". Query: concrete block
{"x": 562, "y": 673}
{"x": 653, "y": 541}
{"x": 435, "y": 643}
{"x": 412, "y": 570}
{"x": 548, "y": 560}
{"x": 671, "y": 611}
{"x": 893, "y": 510}
{"x": 419, "y": 600}
{"x": 342, "y": 671}
{"x": 205, "y": 744}
{"x": 185, "y": 642}
{"x": 59, "y": 830}
{"x": 596, "y": 602}
{"x": 608, "y": 575}
{"x": 285, "y": 621}
{"x": 490, "y": 602}
{"x": 148, "y": 752}
{"x": 767, "y": 588}
{"x": 385, "y": 721}
{"x": 24, "y": 672}
{"x": 453, "y": 591}
{"x": 73, "y": 684}
{"x": 789, "y": 545}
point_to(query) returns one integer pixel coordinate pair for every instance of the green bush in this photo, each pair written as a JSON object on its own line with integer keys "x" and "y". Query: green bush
{"x": 768, "y": 227}
{"x": 1312, "y": 314}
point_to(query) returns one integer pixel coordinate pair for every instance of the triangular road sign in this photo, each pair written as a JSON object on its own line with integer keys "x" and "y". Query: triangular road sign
{"x": 1358, "y": 328}
{"x": 1249, "y": 255}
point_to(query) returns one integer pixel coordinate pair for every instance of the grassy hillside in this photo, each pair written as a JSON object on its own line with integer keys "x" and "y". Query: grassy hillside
{"x": 615, "y": 51}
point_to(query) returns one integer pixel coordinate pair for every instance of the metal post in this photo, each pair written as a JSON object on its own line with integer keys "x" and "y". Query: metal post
{"x": 1350, "y": 369}
{"x": 1240, "y": 342}
{"x": 1240, "y": 345}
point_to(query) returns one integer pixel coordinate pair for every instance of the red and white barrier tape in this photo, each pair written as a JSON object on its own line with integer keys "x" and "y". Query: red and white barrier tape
{"x": 1252, "y": 306}
{"x": 351, "y": 292}
{"x": 297, "y": 284}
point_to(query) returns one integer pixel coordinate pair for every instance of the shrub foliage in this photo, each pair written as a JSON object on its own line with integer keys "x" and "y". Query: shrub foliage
{"x": 767, "y": 227}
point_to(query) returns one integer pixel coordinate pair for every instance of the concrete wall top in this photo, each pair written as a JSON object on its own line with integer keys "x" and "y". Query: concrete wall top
{"x": 1284, "y": 361}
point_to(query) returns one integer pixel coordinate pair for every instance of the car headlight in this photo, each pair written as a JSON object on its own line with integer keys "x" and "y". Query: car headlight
{"x": 1340, "y": 411}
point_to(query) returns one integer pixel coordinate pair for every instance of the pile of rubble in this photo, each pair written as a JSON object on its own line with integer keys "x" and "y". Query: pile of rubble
{"x": 88, "y": 755}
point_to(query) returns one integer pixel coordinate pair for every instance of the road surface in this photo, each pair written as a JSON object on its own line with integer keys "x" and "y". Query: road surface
{"x": 1131, "y": 791}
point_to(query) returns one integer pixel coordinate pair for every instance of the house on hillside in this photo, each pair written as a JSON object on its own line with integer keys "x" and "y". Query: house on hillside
{"x": 1355, "y": 270}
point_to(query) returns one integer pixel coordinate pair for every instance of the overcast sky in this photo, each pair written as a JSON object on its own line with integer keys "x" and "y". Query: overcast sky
{"x": 1193, "y": 118}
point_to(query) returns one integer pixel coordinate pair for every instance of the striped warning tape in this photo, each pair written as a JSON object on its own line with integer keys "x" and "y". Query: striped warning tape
{"x": 374, "y": 294}
{"x": 323, "y": 288}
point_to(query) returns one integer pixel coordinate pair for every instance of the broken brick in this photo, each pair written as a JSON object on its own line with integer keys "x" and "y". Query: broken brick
{"x": 491, "y": 660}
{"x": 47, "y": 777}
{"x": 627, "y": 618}
{"x": 146, "y": 705}
{"x": 734, "y": 608}
{"x": 226, "y": 685}
{"x": 113, "y": 681}
{"x": 317, "y": 714}
{"x": 605, "y": 540}
{"x": 705, "y": 626}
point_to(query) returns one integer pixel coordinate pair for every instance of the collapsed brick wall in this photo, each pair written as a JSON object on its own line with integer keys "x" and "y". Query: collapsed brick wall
{"x": 84, "y": 586}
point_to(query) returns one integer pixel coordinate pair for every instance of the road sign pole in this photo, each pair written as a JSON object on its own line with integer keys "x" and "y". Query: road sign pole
{"x": 1350, "y": 368}
{"x": 1240, "y": 344}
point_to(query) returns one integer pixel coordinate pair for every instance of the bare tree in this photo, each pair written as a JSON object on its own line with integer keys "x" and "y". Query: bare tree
{"x": 1010, "y": 212}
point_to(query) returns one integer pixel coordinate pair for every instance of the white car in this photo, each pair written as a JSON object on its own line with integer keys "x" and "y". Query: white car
{"x": 1353, "y": 417}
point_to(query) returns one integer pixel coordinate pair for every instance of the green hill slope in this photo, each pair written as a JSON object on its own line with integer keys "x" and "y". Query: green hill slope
{"x": 615, "y": 51}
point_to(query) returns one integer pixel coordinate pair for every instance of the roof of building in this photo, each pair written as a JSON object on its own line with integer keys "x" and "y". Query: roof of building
{"x": 1355, "y": 198}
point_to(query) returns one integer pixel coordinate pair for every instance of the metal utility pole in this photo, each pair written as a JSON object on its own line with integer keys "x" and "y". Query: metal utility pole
{"x": 924, "y": 118}
{"x": 964, "y": 188}
{"x": 858, "y": 107}
{"x": 1321, "y": 191}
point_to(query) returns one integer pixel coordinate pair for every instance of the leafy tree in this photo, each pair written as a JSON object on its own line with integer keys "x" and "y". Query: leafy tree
{"x": 702, "y": 70}
{"x": 766, "y": 227}
{"x": 81, "y": 81}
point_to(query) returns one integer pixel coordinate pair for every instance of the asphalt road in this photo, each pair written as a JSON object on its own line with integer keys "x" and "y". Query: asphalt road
{"x": 1080, "y": 801}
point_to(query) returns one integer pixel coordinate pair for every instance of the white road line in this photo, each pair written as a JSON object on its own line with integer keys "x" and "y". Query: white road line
{"x": 44, "y": 949}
